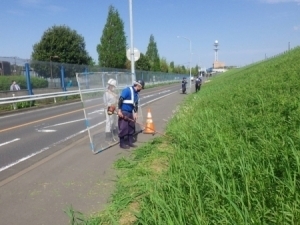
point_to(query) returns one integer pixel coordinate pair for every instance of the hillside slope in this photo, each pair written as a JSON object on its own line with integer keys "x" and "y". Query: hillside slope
{"x": 230, "y": 155}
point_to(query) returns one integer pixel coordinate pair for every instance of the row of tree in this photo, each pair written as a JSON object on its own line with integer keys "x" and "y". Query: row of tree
{"x": 64, "y": 45}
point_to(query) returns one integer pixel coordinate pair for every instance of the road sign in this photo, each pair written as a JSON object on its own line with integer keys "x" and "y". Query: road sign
{"x": 136, "y": 54}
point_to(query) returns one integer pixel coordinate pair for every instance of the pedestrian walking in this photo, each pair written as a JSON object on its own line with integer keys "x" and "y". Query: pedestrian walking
{"x": 14, "y": 86}
{"x": 128, "y": 113}
{"x": 183, "y": 85}
{"x": 110, "y": 99}
{"x": 198, "y": 83}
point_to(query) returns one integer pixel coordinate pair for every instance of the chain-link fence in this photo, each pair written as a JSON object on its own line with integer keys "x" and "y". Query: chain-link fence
{"x": 61, "y": 75}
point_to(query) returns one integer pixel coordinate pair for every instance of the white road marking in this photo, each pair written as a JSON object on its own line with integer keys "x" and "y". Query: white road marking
{"x": 153, "y": 100}
{"x": 8, "y": 142}
{"x": 164, "y": 92}
{"x": 148, "y": 96}
{"x": 97, "y": 111}
{"x": 59, "y": 124}
{"x": 67, "y": 138}
{"x": 46, "y": 148}
{"x": 46, "y": 131}
{"x": 36, "y": 110}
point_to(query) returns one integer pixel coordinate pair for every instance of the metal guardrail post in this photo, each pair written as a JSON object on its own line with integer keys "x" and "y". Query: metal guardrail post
{"x": 62, "y": 79}
{"x": 27, "y": 73}
{"x": 86, "y": 78}
{"x": 14, "y": 104}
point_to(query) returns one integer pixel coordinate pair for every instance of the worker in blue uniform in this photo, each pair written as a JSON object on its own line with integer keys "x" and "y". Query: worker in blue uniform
{"x": 128, "y": 113}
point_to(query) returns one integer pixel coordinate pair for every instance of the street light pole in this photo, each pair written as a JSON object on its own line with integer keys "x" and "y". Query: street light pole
{"x": 133, "y": 76}
{"x": 190, "y": 60}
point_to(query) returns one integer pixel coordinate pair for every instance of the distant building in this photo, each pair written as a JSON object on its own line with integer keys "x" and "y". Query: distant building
{"x": 5, "y": 68}
{"x": 218, "y": 67}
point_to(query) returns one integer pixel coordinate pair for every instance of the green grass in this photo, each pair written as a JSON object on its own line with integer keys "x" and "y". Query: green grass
{"x": 231, "y": 155}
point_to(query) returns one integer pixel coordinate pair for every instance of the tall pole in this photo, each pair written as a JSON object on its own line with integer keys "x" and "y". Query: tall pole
{"x": 133, "y": 78}
{"x": 189, "y": 61}
{"x": 216, "y": 44}
{"x": 15, "y": 70}
{"x": 51, "y": 57}
{"x": 51, "y": 72}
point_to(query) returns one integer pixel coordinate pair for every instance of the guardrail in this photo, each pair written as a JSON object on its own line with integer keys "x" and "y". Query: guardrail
{"x": 24, "y": 98}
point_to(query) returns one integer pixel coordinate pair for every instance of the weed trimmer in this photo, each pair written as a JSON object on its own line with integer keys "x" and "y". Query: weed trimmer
{"x": 112, "y": 110}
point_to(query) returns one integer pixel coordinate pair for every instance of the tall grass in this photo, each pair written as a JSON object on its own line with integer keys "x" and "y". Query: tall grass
{"x": 233, "y": 156}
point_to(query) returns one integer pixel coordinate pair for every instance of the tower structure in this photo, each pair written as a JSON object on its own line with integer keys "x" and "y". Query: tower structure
{"x": 217, "y": 65}
{"x": 216, "y": 44}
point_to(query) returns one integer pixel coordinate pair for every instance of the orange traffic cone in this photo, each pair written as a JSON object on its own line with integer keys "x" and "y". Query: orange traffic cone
{"x": 149, "y": 129}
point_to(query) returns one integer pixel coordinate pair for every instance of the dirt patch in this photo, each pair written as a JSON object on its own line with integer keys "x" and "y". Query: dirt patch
{"x": 127, "y": 216}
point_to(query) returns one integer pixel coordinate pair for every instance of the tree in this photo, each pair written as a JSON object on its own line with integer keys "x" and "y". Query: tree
{"x": 61, "y": 44}
{"x": 143, "y": 63}
{"x": 172, "y": 66}
{"x": 153, "y": 55}
{"x": 112, "y": 47}
{"x": 164, "y": 65}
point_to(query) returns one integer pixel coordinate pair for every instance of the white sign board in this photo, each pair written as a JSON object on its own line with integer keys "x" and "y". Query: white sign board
{"x": 136, "y": 54}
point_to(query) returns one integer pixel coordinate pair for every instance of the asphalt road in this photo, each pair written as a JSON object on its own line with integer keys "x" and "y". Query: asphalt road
{"x": 27, "y": 137}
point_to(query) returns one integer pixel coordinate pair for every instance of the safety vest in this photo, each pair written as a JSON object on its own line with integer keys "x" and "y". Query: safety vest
{"x": 131, "y": 101}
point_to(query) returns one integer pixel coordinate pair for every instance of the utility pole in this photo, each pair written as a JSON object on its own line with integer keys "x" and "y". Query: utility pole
{"x": 133, "y": 77}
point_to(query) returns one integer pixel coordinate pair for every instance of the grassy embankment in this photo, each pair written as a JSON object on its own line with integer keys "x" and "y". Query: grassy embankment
{"x": 233, "y": 156}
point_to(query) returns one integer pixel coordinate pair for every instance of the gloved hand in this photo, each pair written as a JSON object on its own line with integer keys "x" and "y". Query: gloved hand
{"x": 111, "y": 109}
{"x": 135, "y": 116}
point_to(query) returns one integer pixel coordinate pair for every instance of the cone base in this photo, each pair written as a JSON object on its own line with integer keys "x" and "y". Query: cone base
{"x": 148, "y": 132}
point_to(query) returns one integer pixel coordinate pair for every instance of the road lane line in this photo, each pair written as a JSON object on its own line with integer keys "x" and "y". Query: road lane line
{"x": 37, "y": 121}
{"x": 71, "y": 136}
{"x": 63, "y": 114}
{"x": 36, "y": 110}
{"x": 59, "y": 124}
{"x": 46, "y": 131}
{"x": 8, "y": 142}
{"x": 41, "y": 120}
{"x": 48, "y": 147}
{"x": 153, "y": 100}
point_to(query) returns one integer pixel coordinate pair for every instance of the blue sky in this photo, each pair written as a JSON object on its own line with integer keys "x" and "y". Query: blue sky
{"x": 247, "y": 30}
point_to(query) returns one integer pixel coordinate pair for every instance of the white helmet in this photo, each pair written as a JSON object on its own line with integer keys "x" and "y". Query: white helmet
{"x": 112, "y": 82}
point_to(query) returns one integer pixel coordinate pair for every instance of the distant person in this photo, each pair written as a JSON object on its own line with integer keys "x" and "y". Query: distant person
{"x": 14, "y": 86}
{"x": 198, "y": 83}
{"x": 183, "y": 85}
{"x": 110, "y": 99}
